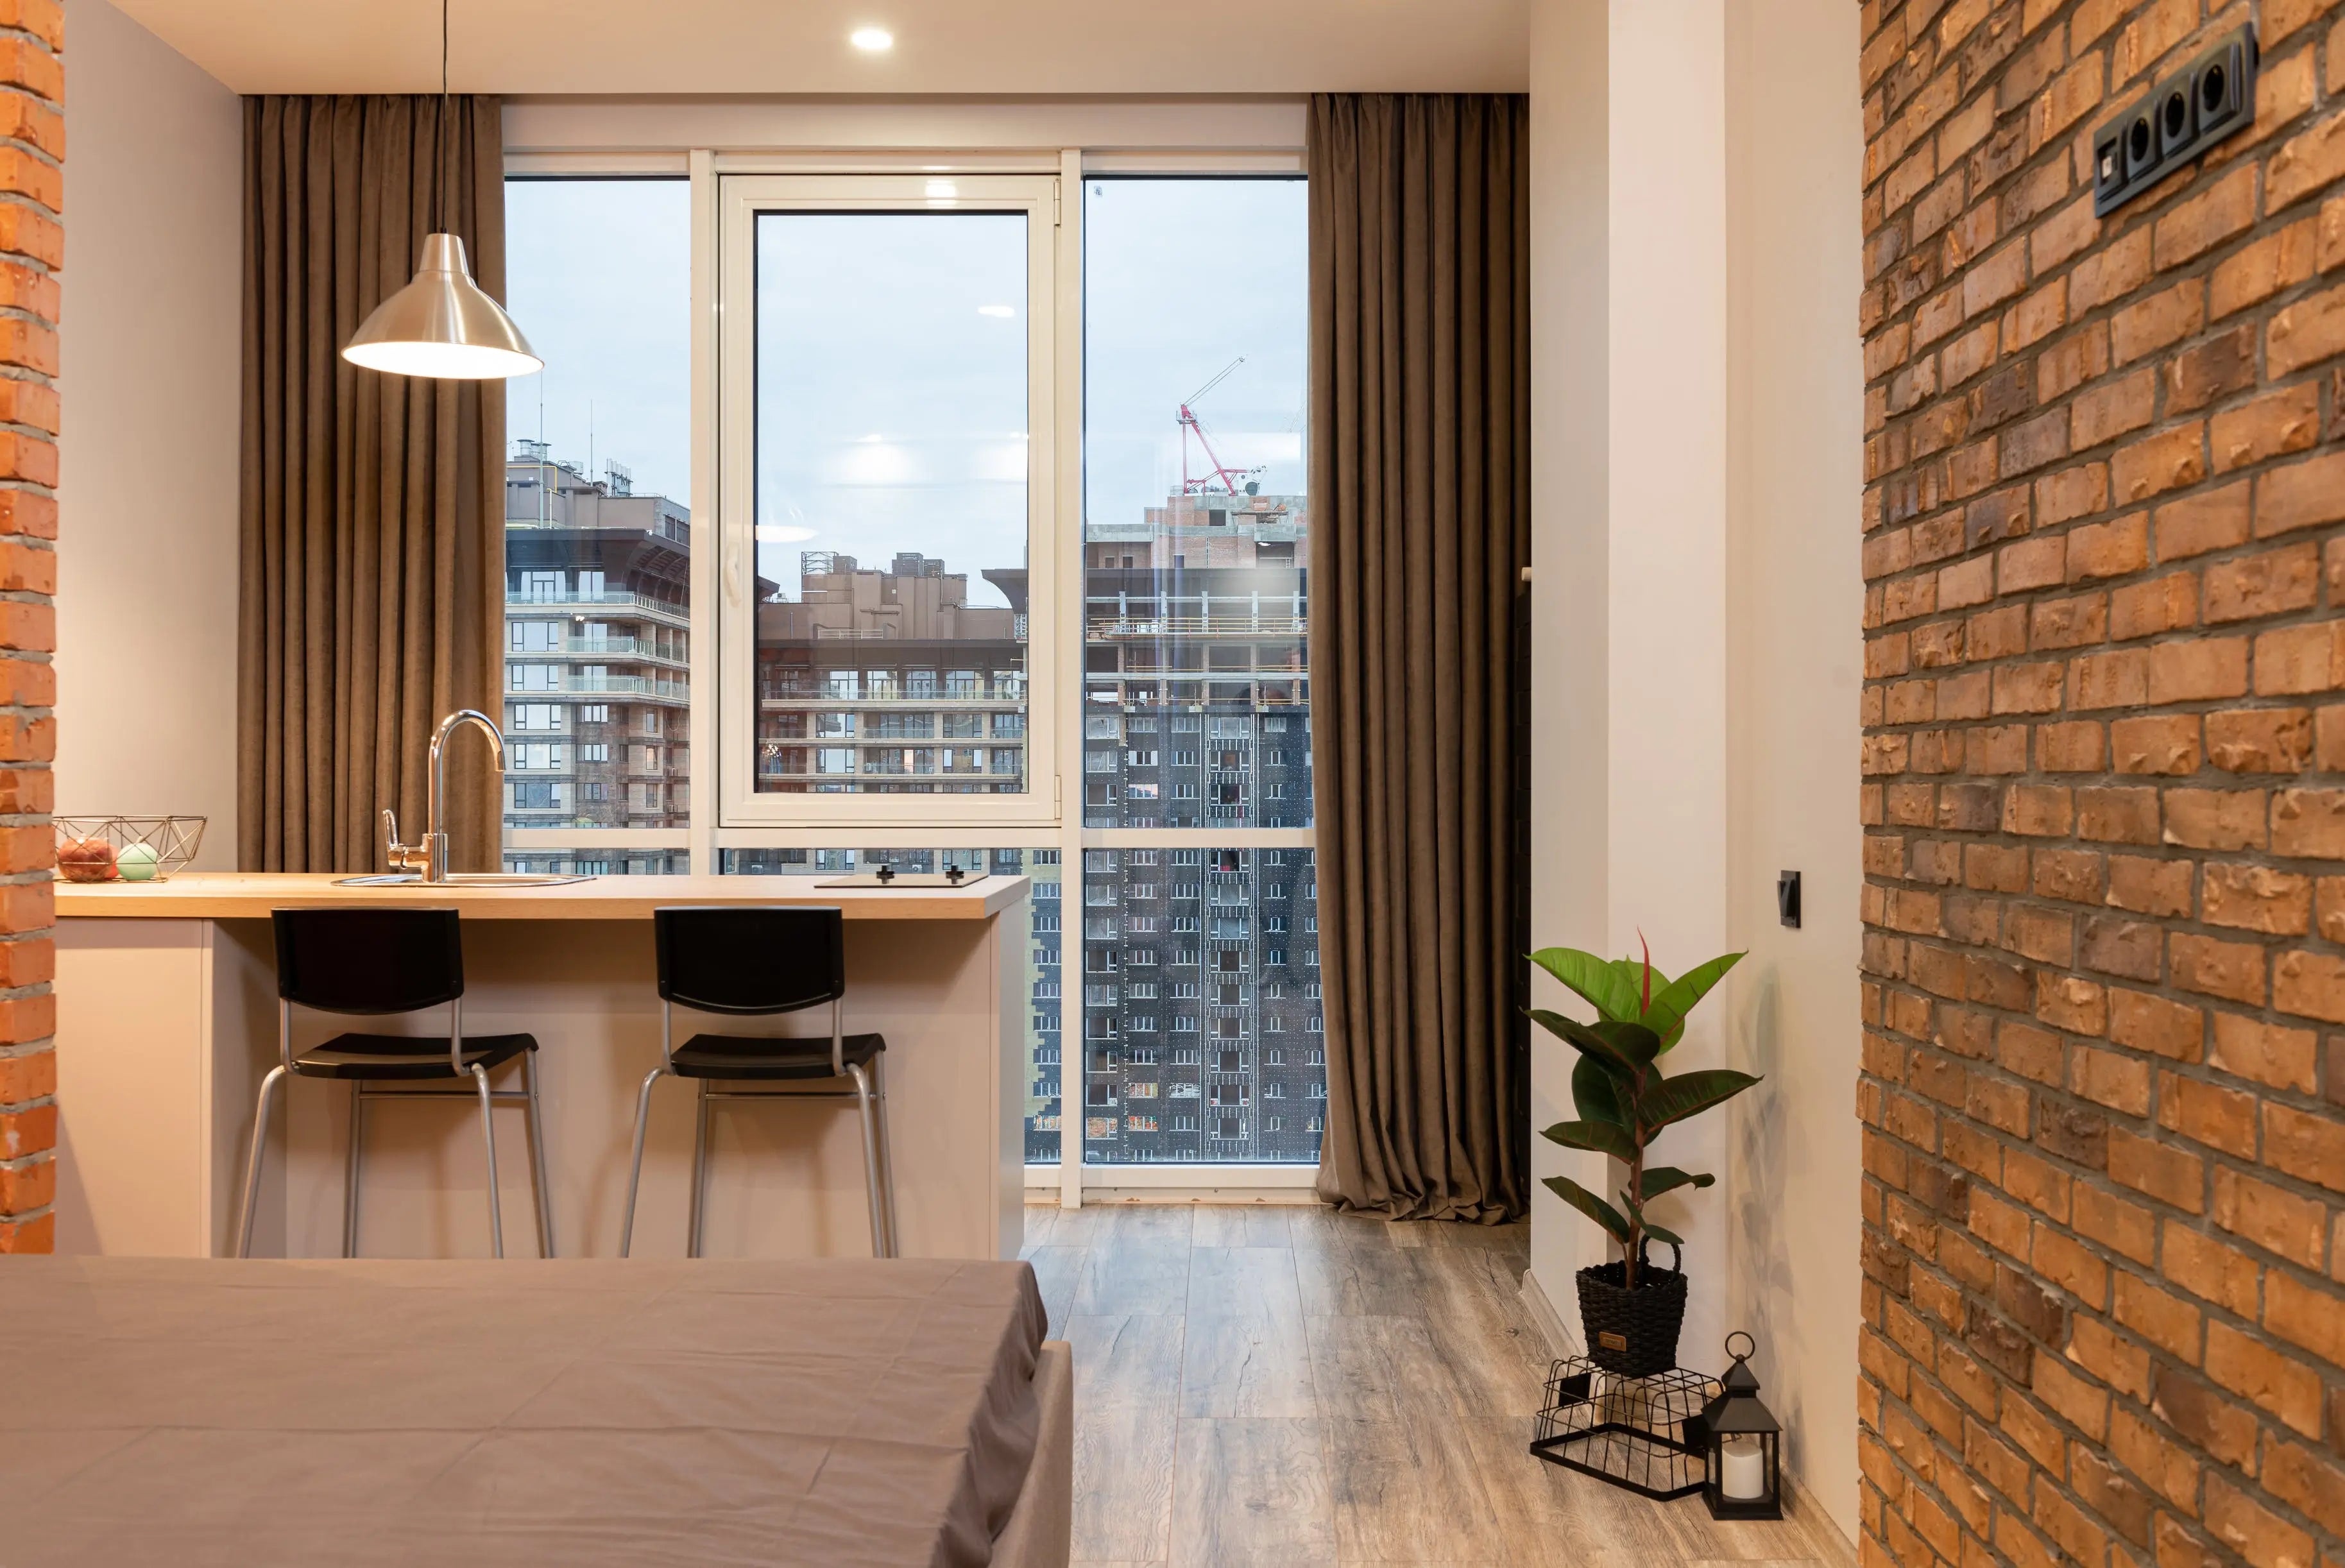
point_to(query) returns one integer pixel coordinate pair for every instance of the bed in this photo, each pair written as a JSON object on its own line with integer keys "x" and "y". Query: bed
{"x": 837, "y": 1412}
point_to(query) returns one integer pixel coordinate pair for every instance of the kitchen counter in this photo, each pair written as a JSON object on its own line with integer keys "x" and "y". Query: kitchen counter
{"x": 166, "y": 1021}
{"x": 211, "y": 897}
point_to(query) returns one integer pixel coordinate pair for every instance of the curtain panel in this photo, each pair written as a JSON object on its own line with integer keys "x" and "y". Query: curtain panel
{"x": 1420, "y": 530}
{"x": 372, "y": 547}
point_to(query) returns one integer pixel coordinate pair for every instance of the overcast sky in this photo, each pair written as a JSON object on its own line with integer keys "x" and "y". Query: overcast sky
{"x": 891, "y": 356}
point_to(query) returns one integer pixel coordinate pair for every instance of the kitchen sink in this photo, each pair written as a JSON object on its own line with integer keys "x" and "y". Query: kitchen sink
{"x": 460, "y": 879}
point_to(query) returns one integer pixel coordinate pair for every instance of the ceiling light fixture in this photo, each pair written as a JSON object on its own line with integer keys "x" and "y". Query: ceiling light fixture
{"x": 442, "y": 325}
{"x": 872, "y": 40}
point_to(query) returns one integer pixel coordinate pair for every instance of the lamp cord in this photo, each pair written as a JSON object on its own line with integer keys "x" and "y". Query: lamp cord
{"x": 439, "y": 164}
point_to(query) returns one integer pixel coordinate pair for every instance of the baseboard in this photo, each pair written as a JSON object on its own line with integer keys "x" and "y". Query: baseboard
{"x": 1560, "y": 1340}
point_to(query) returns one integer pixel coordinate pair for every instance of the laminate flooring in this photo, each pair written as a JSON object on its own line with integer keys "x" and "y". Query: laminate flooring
{"x": 1286, "y": 1386}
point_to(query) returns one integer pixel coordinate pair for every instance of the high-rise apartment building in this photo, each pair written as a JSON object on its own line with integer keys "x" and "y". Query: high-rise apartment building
{"x": 1201, "y": 966}
{"x": 887, "y": 681}
{"x": 597, "y": 708}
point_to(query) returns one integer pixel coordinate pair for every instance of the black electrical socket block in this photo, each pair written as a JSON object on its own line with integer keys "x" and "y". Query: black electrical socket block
{"x": 2208, "y": 100}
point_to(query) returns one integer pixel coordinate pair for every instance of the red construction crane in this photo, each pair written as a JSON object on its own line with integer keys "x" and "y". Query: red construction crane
{"x": 1231, "y": 479}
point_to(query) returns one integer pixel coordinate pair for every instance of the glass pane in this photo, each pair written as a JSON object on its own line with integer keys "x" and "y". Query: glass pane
{"x": 891, "y": 496}
{"x": 598, "y": 539}
{"x": 586, "y": 858}
{"x": 1196, "y": 697}
{"x": 1041, "y": 963}
{"x": 1201, "y": 1007}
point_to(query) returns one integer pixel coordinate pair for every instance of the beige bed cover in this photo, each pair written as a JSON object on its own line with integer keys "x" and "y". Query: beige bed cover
{"x": 197, "y": 1411}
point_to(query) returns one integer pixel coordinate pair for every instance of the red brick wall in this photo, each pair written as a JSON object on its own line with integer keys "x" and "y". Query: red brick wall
{"x": 32, "y": 249}
{"x": 2105, "y": 800}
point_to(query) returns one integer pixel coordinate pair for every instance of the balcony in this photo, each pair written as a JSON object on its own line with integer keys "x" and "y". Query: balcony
{"x": 576, "y": 684}
{"x": 610, "y": 598}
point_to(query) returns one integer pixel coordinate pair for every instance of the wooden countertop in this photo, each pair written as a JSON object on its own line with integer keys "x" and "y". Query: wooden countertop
{"x": 195, "y": 895}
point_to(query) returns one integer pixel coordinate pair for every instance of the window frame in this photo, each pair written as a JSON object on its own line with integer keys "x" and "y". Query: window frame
{"x": 1056, "y": 549}
{"x": 742, "y": 199}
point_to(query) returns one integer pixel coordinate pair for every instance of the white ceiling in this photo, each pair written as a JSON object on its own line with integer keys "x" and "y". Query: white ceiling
{"x": 761, "y": 47}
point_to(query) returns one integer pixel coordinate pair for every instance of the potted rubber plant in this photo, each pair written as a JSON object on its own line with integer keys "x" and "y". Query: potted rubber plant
{"x": 1631, "y": 1310}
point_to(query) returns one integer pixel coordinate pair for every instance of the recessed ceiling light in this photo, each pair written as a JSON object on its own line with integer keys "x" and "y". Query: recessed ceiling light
{"x": 872, "y": 40}
{"x": 1004, "y": 311}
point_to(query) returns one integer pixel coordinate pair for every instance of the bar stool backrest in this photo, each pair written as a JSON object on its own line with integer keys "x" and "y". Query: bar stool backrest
{"x": 368, "y": 960}
{"x": 733, "y": 960}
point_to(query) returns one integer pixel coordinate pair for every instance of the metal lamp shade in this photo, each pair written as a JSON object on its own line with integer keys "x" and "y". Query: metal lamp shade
{"x": 441, "y": 325}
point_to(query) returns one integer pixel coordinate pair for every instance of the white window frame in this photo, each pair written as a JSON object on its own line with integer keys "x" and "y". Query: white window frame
{"x": 1055, "y": 548}
{"x": 742, "y": 198}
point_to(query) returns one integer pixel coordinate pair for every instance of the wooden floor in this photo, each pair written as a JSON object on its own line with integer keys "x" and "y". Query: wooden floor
{"x": 1280, "y": 1385}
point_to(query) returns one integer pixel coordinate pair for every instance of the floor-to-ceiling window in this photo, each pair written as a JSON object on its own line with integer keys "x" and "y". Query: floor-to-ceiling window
{"x": 997, "y": 485}
{"x": 597, "y": 698}
{"x": 1200, "y": 930}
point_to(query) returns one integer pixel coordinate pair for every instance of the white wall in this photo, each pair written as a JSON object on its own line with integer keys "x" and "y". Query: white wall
{"x": 146, "y": 557}
{"x": 1696, "y": 542}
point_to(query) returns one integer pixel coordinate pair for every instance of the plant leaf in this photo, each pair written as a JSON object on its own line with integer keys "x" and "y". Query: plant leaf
{"x": 1592, "y": 979}
{"x": 1603, "y": 1136}
{"x": 1660, "y": 1179}
{"x": 1598, "y": 1094}
{"x": 1661, "y": 1233}
{"x": 1633, "y": 1042}
{"x": 1633, "y": 975}
{"x": 1587, "y": 1203}
{"x": 1673, "y": 1100}
{"x": 1667, "y": 1016}
{"x": 1585, "y": 1038}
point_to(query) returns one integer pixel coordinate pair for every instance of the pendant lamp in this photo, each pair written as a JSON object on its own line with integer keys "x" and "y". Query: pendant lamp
{"x": 442, "y": 325}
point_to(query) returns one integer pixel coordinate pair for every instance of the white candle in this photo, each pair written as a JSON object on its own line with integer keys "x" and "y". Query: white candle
{"x": 1742, "y": 1470}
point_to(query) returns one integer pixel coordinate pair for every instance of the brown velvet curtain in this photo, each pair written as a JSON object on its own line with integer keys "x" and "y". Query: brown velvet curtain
{"x": 373, "y": 505}
{"x": 1420, "y": 528}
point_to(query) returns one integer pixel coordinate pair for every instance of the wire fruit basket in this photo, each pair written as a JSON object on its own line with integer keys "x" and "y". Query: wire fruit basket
{"x": 126, "y": 848}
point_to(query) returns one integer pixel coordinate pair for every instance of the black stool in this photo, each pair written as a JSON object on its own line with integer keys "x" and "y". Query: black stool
{"x": 379, "y": 961}
{"x": 759, "y": 962}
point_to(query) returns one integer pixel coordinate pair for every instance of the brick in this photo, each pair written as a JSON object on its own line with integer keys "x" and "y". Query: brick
{"x": 2165, "y": 1320}
{"x": 2257, "y": 272}
{"x": 2114, "y": 407}
{"x": 2246, "y": 1366}
{"x": 2115, "y": 815}
{"x": 2161, "y": 604}
{"x": 2308, "y": 823}
{"x": 2211, "y": 520}
{"x": 2270, "y": 1054}
{"x": 2305, "y": 332}
{"x": 2169, "y": 459}
{"x": 2220, "y": 1117}
{"x": 2305, "y": 165}
{"x": 2215, "y": 819}
{"x": 2169, "y": 1030}
{"x": 2300, "y": 495}
{"x": 2256, "y": 898}
{"x": 2192, "y": 227}
{"x": 2253, "y": 1531}
{"x": 2157, "y": 321}
{"x": 2272, "y": 583}
{"x": 2168, "y": 744}
{"x": 2231, "y": 969}
{"x": 2210, "y": 1269}
{"x": 2305, "y": 1315}
{"x": 2300, "y": 659}
{"x": 2309, "y": 985}
{"x": 2309, "y": 1148}
{"x": 2286, "y": 421}
{"x": 2198, "y": 671}
{"x": 2260, "y": 740}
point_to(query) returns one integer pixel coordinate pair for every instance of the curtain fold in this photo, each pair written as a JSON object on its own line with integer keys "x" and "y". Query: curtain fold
{"x": 372, "y": 549}
{"x": 1420, "y": 528}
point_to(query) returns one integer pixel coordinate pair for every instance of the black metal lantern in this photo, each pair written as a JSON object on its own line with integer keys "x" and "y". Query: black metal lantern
{"x": 1743, "y": 1443}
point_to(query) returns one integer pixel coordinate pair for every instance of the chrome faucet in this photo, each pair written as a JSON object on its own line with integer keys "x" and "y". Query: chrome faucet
{"x": 430, "y": 856}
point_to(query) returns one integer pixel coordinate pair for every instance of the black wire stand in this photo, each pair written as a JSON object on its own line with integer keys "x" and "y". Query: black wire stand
{"x": 1641, "y": 1434}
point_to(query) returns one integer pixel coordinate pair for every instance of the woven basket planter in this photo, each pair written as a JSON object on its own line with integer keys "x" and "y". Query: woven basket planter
{"x": 1634, "y": 1334}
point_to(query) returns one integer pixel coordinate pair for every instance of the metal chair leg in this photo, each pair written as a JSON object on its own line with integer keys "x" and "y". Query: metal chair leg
{"x": 887, "y": 1157}
{"x": 277, "y": 1075}
{"x": 351, "y": 1173}
{"x": 536, "y": 1123}
{"x": 870, "y": 1160}
{"x": 699, "y": 1170}
{"x": 489, "y": 1137}
{"x": 636, "y": 1170}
